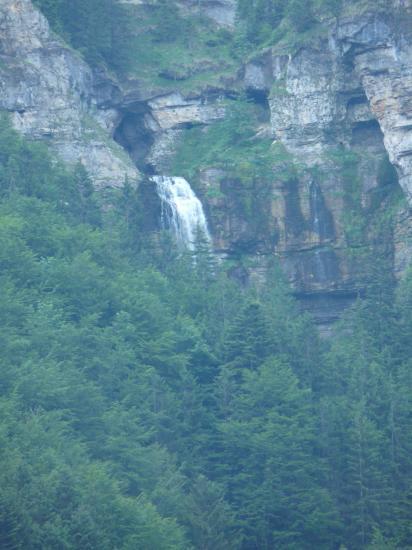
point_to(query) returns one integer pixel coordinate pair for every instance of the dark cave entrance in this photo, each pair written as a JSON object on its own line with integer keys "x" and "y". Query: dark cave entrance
{"x": 261, "y": 99}
{"x": 134, "y": 136}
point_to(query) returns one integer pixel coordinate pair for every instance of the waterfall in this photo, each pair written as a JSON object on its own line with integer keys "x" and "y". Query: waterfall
{"x": 321, "y": 220}
{"x": 182, "y": 211}
{"x": 315, "y": 210}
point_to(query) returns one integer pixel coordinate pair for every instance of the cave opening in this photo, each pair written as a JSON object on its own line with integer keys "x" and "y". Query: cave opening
{"x": 368, "y": 135}
{"x": 136, "y": 138}
{"x": 261, "y": 99}
{"x": 133, "y": 135}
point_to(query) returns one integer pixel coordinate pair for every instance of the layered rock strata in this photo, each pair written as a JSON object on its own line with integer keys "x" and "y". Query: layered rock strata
{"x": 341, "y": 106}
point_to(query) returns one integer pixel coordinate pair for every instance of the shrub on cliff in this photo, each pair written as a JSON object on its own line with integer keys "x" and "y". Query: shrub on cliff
{"x": 99, "y": 29}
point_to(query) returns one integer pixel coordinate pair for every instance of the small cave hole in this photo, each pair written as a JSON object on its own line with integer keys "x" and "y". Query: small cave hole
{"x": 387, "y": 180}
{"x": 349, "y": 58}
{"x": 387, "y": 174}
{"x": 133, "y": 135}
{"x": 260, "y": 99}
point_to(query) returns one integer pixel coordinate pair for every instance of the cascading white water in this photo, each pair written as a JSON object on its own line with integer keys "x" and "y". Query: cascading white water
{"x": 314, "y": 205}
{"x": 181, "y": 211}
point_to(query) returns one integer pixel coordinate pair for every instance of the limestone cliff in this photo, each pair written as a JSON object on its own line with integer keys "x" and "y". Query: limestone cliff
{"x": 48, "y": 89}
{"x": 337, "y": 104}
{"x": 346, "y": 91}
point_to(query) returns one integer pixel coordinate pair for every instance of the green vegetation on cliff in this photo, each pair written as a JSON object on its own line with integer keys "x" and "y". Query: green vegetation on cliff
{"x": 166, "y": 46}
{"x": 265, "y": 22}
{"x": 100, "y": 29}
{"x": 248, "y": 161}
{"x": 152, "y": 40}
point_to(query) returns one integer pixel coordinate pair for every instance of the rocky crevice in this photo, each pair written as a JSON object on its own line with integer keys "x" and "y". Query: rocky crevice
{"x": 381, "y": 52}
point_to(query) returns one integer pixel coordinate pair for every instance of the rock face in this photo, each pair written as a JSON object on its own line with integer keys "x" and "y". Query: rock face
{"x": 48, "y": 90}
{"x": 170, "y": 115}
{"x": 381, "y": 52}
{"x": 150, "y": 129}
{"x": 339, "y": 107}
{"x": 361, "y": 70}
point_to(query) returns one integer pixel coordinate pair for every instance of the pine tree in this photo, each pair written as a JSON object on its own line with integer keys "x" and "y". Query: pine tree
{"x": 212, "y": 522}
{"x": 273, "y": 477}
{"x": 88, "y": 211}
{"x": 248, "y": 342}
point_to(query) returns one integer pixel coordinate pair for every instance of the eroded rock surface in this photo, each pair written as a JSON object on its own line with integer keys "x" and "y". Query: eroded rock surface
{"x": 341, "y": 106}
{"x": 381, "y": 52}
{"x": 48, "y": 89}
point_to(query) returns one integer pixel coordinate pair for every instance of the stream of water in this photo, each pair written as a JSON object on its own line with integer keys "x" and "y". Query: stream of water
{"x": 182, "y": 211}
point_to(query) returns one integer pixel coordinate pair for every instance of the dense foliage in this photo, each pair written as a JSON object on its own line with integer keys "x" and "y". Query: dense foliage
{"x": 152, "y": 40}
{"x": 147, "y": 403}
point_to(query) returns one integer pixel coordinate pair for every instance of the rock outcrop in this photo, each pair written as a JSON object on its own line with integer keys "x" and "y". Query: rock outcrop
{"x": 380, "y": 49}
{"x": 341, "y": 105}
{"x": 48, "y": 89}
